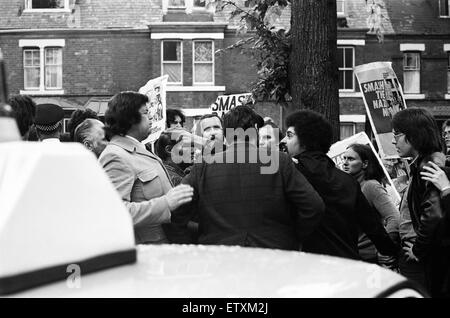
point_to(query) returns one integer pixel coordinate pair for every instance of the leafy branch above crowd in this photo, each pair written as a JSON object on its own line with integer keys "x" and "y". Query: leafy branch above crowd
{"x": 267, "y": 40}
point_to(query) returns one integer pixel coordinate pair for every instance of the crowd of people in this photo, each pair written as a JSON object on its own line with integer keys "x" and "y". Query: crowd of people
{"x": 193, "y": 187}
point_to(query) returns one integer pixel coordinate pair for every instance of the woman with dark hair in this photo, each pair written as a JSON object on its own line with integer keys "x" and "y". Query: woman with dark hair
{"x": 416, "y": 136}
{"x": 360, "y": 161}
{"x": 174, "y": 118}
{"x": 138, "y": 175}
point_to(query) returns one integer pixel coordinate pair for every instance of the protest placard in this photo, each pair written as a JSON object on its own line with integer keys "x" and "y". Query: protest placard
{"x": 225, "y": 103}
{"x": 383, "y": 98}
{"x": 155, "y": 89}
{"x": 338, "y": 149}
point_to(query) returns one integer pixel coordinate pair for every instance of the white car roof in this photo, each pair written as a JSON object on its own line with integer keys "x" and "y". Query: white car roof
{"x": 185, "y": 271}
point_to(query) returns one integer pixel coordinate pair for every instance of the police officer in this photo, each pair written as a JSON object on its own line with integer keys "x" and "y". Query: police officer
{"x": 48, "y": 122}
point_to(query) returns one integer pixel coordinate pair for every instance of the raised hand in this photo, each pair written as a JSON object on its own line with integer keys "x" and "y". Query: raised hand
{"x": 435, "y": 175}
{"x": 179, "y": 195}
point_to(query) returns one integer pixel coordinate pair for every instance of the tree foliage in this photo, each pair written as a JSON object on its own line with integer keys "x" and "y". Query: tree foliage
{"x": 269, "y": 43}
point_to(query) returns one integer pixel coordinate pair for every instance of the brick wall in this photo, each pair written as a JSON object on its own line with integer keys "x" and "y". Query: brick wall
{"x": 99, "y": 64}
{"x": 84, "y": 14}
{"x": 13, "y": 63}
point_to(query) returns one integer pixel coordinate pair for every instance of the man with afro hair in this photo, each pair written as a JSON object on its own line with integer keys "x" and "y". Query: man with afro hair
{"x": 308, "y": 139}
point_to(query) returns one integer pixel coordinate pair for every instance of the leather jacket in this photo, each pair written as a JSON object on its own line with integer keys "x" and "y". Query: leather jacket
{"x": 425, "y": 208}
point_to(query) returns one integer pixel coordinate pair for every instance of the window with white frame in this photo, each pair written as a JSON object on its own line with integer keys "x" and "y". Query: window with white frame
{"x": 47, "y": 4}
{"x": 346, "y": 62}
{"x": 203, "y": 60}
{"x": 42, "y": 68}
{"x": 347, "y": 130}
{"x": 172, "y": 60}
{"x": 411, "y": 72}
{"x": 53, "y": 68}
{"x": 444, "y": 8}
{"x": 32, "y": 68}
{"x": 340, "y": 7}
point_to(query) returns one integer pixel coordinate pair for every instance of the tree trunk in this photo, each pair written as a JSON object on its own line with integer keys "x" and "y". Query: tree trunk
{"x": 313, "y": 72}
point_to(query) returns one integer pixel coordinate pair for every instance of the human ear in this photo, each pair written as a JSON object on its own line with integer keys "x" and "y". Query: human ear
{"x": 365, "y": 163}
{"x": 87, "y": 144}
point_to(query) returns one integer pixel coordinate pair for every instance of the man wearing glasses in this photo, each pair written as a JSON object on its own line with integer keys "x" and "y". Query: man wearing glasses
{"x": 308, "y": 139}
{"x": 424, "y": 250}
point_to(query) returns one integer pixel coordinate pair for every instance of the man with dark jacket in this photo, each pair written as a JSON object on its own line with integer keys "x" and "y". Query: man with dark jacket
{"x": 308, "y": 139}
{"x": 239, "y": 200}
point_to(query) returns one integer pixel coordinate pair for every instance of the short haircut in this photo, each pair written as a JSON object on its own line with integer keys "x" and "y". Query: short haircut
{"x": 198, "y": 128}
{"x": 312, "y": 129}
{"x": 171, "y": 113}
{"x": 84, "y": 130}
{"x": 123, "y": 112}
{"x": 374, "y": 171}
{"x": 242, "y": 117}
{"x": 420, "y": 129}
{"x": 77, "y": 118}
{"x": 24, "y": 110}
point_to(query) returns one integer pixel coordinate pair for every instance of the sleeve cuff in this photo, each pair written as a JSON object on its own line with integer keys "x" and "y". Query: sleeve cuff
{"x": 445, "y": 192}
{"x": 162, "y": 205}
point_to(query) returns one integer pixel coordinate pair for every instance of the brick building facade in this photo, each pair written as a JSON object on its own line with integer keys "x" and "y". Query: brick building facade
{"x": 78, "y": 53}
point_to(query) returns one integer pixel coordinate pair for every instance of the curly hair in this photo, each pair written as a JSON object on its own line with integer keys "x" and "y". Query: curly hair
{"x": 24, "y": 110}
{"x": 123, "y": 112}
{"x": 77, "y": 118}
{"x": 171, "y": 113}
{"x": 312, "y": 129}
{"x": 374, "y": 171}
{"x": 420, "y": 129}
